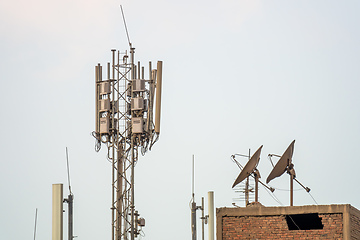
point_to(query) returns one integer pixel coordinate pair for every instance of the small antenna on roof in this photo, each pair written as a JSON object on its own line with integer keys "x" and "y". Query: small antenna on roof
{"x": 68, "y": 169}
{"x": 193, "y": 203}
{"x": 127, "y": 33}
{"x": 193, "y": 177}
{"x": 285, "y": 165}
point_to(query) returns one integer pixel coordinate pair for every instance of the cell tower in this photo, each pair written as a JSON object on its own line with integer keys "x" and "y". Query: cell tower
{"x": 126, "y": 123}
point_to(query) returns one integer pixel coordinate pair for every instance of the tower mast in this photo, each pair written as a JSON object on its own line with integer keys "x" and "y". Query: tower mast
{"x": 124, "y": 122}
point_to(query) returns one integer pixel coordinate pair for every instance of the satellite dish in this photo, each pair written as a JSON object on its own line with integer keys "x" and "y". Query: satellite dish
{"x": 250, "y": 170}
{"x": 249, "y": 167}
{"x": 283, "y": 163}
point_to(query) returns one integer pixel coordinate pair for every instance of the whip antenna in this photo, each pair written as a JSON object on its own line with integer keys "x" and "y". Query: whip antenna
{"x": 127, "y": 33}
{"x": 68, "y": 170}
{"x": 193, "y": 177}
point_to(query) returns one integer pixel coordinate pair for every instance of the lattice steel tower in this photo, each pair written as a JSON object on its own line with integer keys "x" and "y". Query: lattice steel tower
{"x": 127, "y": 121}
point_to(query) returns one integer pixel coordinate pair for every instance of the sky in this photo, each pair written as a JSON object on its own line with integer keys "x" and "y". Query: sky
{"x": 236, "y": 75}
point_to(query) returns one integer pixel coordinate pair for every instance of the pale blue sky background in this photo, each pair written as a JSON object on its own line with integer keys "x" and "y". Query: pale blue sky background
{"x": 237, "y": 75}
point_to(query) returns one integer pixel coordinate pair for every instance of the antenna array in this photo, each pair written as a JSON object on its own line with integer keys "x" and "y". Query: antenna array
{"x": 125, "y": 122}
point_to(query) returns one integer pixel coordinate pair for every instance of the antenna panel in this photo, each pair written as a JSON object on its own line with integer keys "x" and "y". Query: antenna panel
{"x": 158, "y": 96}
{"x": 104, "y": 88}
{"x": 104, "y": 105}
{"x": 138, "y": 85}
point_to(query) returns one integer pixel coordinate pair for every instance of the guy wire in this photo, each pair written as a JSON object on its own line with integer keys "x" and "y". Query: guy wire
{"x": 313, "y": 198}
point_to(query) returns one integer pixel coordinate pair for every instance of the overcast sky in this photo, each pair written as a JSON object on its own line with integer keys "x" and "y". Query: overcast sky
{"x": 237, "y": 74}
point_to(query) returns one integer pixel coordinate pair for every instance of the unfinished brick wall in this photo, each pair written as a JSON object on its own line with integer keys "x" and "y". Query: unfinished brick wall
{"x": 275, "y": 227}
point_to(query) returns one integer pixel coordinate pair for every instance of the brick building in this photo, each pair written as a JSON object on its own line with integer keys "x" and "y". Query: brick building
{"x": 297, "y": 222}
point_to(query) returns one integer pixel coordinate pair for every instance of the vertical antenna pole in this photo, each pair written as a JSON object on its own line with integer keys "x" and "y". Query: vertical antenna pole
{"x": 113, "y": 63}
{"x": 193, "y": 204}
{"x": 113, "y": 174}
{"x": 132, "y": 187}
{"x": 291, "y": 190}
{"x": 69, "y": 200}
{"x": 132, "y": 51}
{"x": 193, "y": 176}
{"x": 247, "y": 192}
{"x": 150, "y": 72}
{"x": 211, "y": 215}
{"x": 68, "y": 169}
{"x": 120, "y": 155}
{"x": 247, "y": 187}
{"x": 132, "y": 139}
{"x": 100, "y": 72}
{"x": 139, "y": 70}
{"x": 70, "y": 216}
{"x": 35, "y": 224}
{"x": 119, "y": 170}
{"x": 193, "y": 220}
{"x": 257, "y": 175}
{"x": 113, "y": 98}
{"x": 202, "y": 219}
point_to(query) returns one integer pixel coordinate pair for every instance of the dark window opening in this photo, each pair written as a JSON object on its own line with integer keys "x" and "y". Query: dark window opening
{"x": 304, "y": 221}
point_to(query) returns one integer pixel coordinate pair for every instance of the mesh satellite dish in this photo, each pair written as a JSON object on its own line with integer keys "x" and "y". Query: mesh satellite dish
{"x": 285, "y": 165}
{"x": 250, "y": 170}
